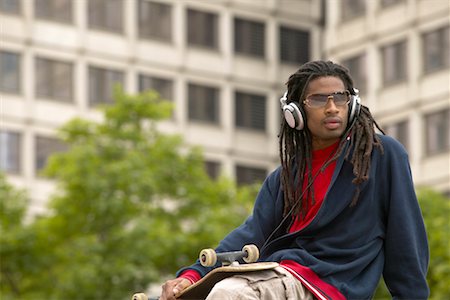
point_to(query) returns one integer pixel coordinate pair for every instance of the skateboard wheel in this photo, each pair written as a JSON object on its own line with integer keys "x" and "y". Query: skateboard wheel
{"x": 208, "y": 257}
{"x": 139, "y": 296}
{"x": 252, "y": 253}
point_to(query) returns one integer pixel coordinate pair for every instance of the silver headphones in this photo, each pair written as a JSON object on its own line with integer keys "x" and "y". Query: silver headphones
{"x": 296, "y": 117}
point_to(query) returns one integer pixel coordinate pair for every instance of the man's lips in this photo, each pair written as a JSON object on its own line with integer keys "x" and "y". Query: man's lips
{"x": 332, "y": 122}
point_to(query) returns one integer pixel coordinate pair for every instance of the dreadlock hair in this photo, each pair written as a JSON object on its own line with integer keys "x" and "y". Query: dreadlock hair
{"x": 296, "y": 145}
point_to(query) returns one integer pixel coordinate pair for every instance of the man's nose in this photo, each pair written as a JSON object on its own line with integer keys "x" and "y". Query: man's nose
{"x": 330, "y": 105}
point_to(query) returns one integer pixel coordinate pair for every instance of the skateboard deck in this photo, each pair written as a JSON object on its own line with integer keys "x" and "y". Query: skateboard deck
{"x": 230, "y": 267}
{"x": 201, "y": 288}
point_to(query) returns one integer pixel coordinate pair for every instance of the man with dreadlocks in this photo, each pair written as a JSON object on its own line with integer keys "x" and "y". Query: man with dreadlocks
{"x": 338, "y": 213}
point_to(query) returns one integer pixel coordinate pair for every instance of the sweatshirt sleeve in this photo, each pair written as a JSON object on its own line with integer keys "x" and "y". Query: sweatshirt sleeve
{"x": 258, "y": 226}
{"x": 406, "y": 245}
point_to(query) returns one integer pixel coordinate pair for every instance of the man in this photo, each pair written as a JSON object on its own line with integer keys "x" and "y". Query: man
{"x": 337, "y": 214}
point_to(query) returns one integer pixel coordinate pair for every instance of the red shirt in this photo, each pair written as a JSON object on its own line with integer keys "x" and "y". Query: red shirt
{"x": 320, "y": 184}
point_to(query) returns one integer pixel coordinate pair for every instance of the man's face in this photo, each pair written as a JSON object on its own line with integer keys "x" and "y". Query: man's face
{"x": 327, "y": 123}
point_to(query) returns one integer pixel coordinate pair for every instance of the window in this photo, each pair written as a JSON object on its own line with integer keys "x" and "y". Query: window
{"x": 249, "y": 175}
{"x": 353, "y": 8}
{"x": 357, "y": 67}
{"x": 212, "y": 168}
{"x": 54, "y": 80}
{"x": 10, "y": 6}
{"x": 202, "y": 29}
{"x": 10, "y": 72}
{"x": 55, "y": 10}
{"x": 394, "y": 63}
{"x": 106, "y": 15}
{"x": 250, "y": 111}
{"x": 387, "y": 3}
{"x": 10, "y": 149}
{"x": 44, "y": 147}
{"x": 101, "y": 85}
{"x": 249, "y": 37}
{"x": 294, "y": 45}
{"x": 436, "y": 49}
{"x": 438, "y": 132}
{"x": 399, "y": 131}
{"x": 163, "y": 86}
{"x": 154, "y": 20}
{"x": 203, "y": 103}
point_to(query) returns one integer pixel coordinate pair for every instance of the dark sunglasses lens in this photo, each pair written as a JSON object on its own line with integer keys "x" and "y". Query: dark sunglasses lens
{"x": 318, "y": 100}
{"x": 340, "y": 98}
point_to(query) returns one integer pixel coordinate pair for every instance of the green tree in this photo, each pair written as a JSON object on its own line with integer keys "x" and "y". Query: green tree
{"x": 132, "y": 205}
{"x": 13, "y": 239}
{"x": 436, "y": 211}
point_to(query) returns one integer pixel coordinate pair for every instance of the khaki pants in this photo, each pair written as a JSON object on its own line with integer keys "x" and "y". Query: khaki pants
{"x": 267, "y": 284}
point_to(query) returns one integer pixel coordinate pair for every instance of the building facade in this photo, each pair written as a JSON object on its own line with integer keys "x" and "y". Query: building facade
{"x": 399, "y": 54}
{"x": 223, "y": 63}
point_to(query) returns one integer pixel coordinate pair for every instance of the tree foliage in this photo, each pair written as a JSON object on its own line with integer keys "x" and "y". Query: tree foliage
{"x": 132, "y": 205}
{"x": 436, "y": 211}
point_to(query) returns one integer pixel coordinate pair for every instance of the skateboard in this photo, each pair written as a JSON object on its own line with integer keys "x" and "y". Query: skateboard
{"x": 230, "y": 266}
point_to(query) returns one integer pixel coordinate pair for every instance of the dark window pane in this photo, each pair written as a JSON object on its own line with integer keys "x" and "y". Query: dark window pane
{"x": 54, "y": 80}
{"x": 249, "y": 175}
{"x": 44, "y": 147}
{"x": 10, "y": 72}
{"x": 202, "y": 29}
{"x": 101, "y": 84}
{"x": 436, "y": 49}
{"x": 106, "y": 15}
{"x": 155, "y": 20}
{"x": 10, "y": 150}
{"x": 203, "y": 103}
{"x": 212, "y": 168}
{"x": 163, "y": 86}
{"x": 394, "y": 63}
{"x": 357, "y": 68}
{"x": 353, "y": 8}
{"x": 249, "y": 37}
{"x": 250, "y": 111}
{"x": 294, "y": 45}
{"x": 399, "y": 131}
{"x": 438, "y": 132}
{"x": 10, "y": 6}
{"x": 55, "y": 10}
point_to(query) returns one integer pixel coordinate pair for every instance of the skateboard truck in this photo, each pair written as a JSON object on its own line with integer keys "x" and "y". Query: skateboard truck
{"x": 209, "y": 257}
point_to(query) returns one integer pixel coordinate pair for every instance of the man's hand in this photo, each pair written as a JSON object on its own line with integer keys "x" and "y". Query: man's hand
{"x": 172, "y": 287}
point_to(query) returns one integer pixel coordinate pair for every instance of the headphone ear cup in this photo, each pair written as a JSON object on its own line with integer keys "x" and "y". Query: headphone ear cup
{"x": 294, "y": 116}
{"x": 353, "y": 108}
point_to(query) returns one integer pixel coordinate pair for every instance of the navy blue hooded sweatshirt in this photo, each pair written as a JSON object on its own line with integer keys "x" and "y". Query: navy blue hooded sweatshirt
{"x": 349, "y": 247}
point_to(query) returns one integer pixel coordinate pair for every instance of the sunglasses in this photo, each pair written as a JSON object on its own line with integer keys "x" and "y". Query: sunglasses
{"x": 320, "y": 100}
